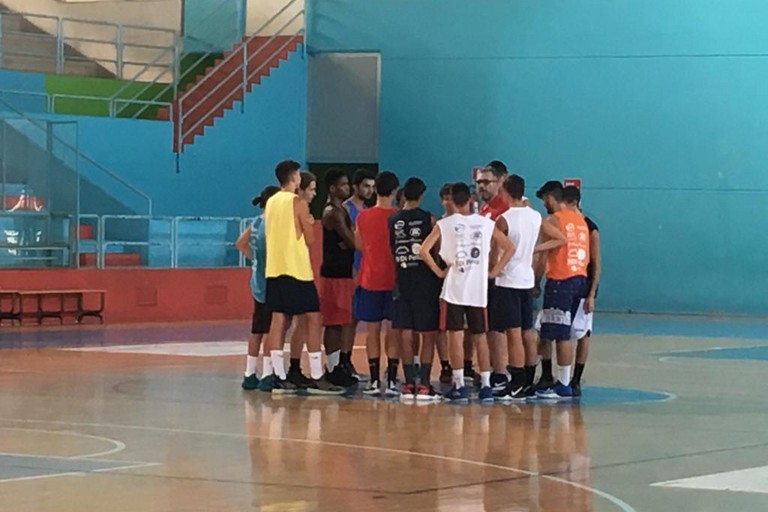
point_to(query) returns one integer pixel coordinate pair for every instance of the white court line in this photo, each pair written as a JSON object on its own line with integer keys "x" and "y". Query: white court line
{"x": 618, "y": 502}
{"x": 78, "y": 473}
{"x": 118, "y": 445}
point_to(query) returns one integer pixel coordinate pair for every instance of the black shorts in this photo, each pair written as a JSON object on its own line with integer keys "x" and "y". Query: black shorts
{"x": 510, "y": 308}
{"x": 417, "y": 313}
{"x": 457, "y": 317}
{"x": 290, "y": 296}
{"x": 262, "y": 318}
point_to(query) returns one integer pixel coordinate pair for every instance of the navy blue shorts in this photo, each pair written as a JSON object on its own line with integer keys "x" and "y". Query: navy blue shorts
{"x": 420, "y": 312}
{"x": 561, "y": 302}
{"x": 373, "y": 306}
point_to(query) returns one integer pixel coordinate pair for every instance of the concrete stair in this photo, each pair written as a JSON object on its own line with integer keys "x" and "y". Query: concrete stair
{"x": 216, "y": 91}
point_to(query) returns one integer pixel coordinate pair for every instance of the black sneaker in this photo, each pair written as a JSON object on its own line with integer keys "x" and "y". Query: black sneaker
{"x": 340, "y": 377}
{"x": 499, "y": 381}
{"x": 510, "y": 393}
{"x": 544, "y": 384}
{"x": 298, "y": 379}
{"x": 350, "y": 367}
{"x": 576, "y": 389}
{"x": 250, "y": 382}
{"x": 323, "y": 386}
{"x": 471, "y": 377}
{"x": 446, "y": 376}
{"x": 283, "y": 387}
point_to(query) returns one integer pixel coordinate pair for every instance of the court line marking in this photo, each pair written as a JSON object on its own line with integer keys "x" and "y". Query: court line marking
{"x": 118, "y": 446}
{"x": 79, "y": 473}
{"x": 621, "y": 504}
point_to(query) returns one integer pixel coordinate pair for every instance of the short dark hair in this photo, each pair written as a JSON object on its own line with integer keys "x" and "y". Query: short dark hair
{"x": 460, "y": 194}
{"x": 306, "y": 180}
{"x": 284, "y": 169}
{"x": 493, "y": 170}
{"x": 571, "y": 195}
{"x": 386, "y": 183}
{"x": 361, "y": 175}
{"x": 413, "y": 189}
{"x": 445, "y": 190}
{"x": 332, "y": 177}
{"x": 551, "y": 188}
{"x": 515, "y": 186}
{"x": 261, "y": 199}
{"x": 499, "y": 166}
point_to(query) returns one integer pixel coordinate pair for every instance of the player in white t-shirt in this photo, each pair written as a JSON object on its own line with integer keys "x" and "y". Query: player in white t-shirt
{"x": 465, "y": 246}
{"x": 511, "y": 308}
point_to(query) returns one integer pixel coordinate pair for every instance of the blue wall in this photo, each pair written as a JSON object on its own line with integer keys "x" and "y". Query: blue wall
{"x": 226, "y": 167}
{"x": 32, "y": 85}
{"x": 213, "y": 25}
{"x": 659, "y": 105}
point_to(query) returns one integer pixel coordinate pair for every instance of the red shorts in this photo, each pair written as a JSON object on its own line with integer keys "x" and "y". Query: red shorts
{"x": 336, "y": 300}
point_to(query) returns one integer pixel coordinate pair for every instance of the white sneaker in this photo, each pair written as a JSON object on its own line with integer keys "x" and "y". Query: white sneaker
{"x": 373, "y": 388}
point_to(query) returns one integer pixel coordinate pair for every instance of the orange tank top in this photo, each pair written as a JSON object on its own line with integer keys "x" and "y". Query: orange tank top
{"x": 570, "y": 260}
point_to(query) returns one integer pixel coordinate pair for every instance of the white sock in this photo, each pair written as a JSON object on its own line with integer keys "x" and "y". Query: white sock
{"x": 458, "y": 378}
{"x": 250, "y": 365}
{"x": 485, "y": 379}
{"x": 316, "y": 365}
{"x": 278, "y": 363}
{"x": 564, "y": 374}
{"x": 332, "y": 360}
{"x": 266, "y": 366}
{"x": 416, "y": 360}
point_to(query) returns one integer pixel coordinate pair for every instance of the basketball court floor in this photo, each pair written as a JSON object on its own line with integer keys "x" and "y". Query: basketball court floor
{"x": 153, "y": 419}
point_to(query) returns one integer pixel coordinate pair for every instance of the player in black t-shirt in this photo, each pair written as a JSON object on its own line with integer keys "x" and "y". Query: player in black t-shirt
{"x": 417, "y": 289}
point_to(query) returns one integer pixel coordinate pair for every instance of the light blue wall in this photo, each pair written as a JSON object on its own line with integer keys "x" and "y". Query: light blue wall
{"x": 225, "y": 168}
{"x": 660, "y": 106}
{"x": 32, "y": 85}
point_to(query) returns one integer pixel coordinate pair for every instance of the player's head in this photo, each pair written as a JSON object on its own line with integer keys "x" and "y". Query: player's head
{"x": 488, "y": 181}
{"x": 307, "y": 186}
{"x": 551, "y": 194}
{"x": 445, "y": 198}
{"x": 514, "y": 185}
{"x": 287, "y": 174}
{"x": 414, "y": 189}
{"x": 363, "y": 182}
{"x": 386, "y": 184}
{"x": 337, "y": 184}
{"x": 460, "y": 196}
{"x": 499, "y": 166}
{"x": 261, "y": 199}
{"x": 571, "y": 197}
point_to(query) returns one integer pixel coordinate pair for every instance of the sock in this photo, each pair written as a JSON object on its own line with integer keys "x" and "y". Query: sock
{"x": 410, "y": 373}
{"x": 374, "y": 365}
{"x": 564, "y": 374}
{"x": 250, "y": 365}
{"x": 266, "y": 366}
{"x": 445, "y": 365}
{"x": 278, "y": 363}
{"x": 467, "y": 365}
{"x": 577, "y": 373}
{"x": 485, "y": 379}
{"x": 295, "y": 365}
{"x": 392, "y": 369}
{"x": 332, "y": 360}
{"x": 546, "y": 369}
{"x": 517, "y": 377}
{"x": 345, "y": 357}
{"x": 416, "y": 360}
{"x": 530, "y": 375}
{"x": 425, "y": 371}
{"x": 458, "y": 378}
{"x": 316, "y": 365}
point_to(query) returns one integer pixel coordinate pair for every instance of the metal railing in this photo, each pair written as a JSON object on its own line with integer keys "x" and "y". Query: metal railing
{"x": 27, "y": 239}
{"x": 102, "y": 171}
{"x": 242, "y": 60}
{"x": 59, "y": 45}
{"x": 162, "y": 241}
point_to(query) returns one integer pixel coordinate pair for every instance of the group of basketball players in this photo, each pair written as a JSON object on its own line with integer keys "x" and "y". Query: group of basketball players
{"x": 460, "y": 285}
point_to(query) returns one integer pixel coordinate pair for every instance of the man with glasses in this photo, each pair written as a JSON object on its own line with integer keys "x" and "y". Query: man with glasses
{"x": 489, "y": 181}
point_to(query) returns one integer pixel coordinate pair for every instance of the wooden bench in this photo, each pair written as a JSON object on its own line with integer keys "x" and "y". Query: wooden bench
{"x": 58, "y": 304}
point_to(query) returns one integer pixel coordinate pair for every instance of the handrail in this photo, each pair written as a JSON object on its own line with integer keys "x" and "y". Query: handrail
{"x": 243, "y": 69}
{"x": 82, "y": 155}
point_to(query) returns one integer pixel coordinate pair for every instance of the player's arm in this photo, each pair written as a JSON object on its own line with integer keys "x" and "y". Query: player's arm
{"x": 336, "y": 222}
{"x": 303, "y": 220}
{"x": 501, "y": 225}
{"x": 594, "y": 256}
{"x": 550, "y": 229}
{"x": 243, "y": 243}
{"x": 358, "y": 237}
{"x": 426, "y": 252}
{"x": 505, "y": 248}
